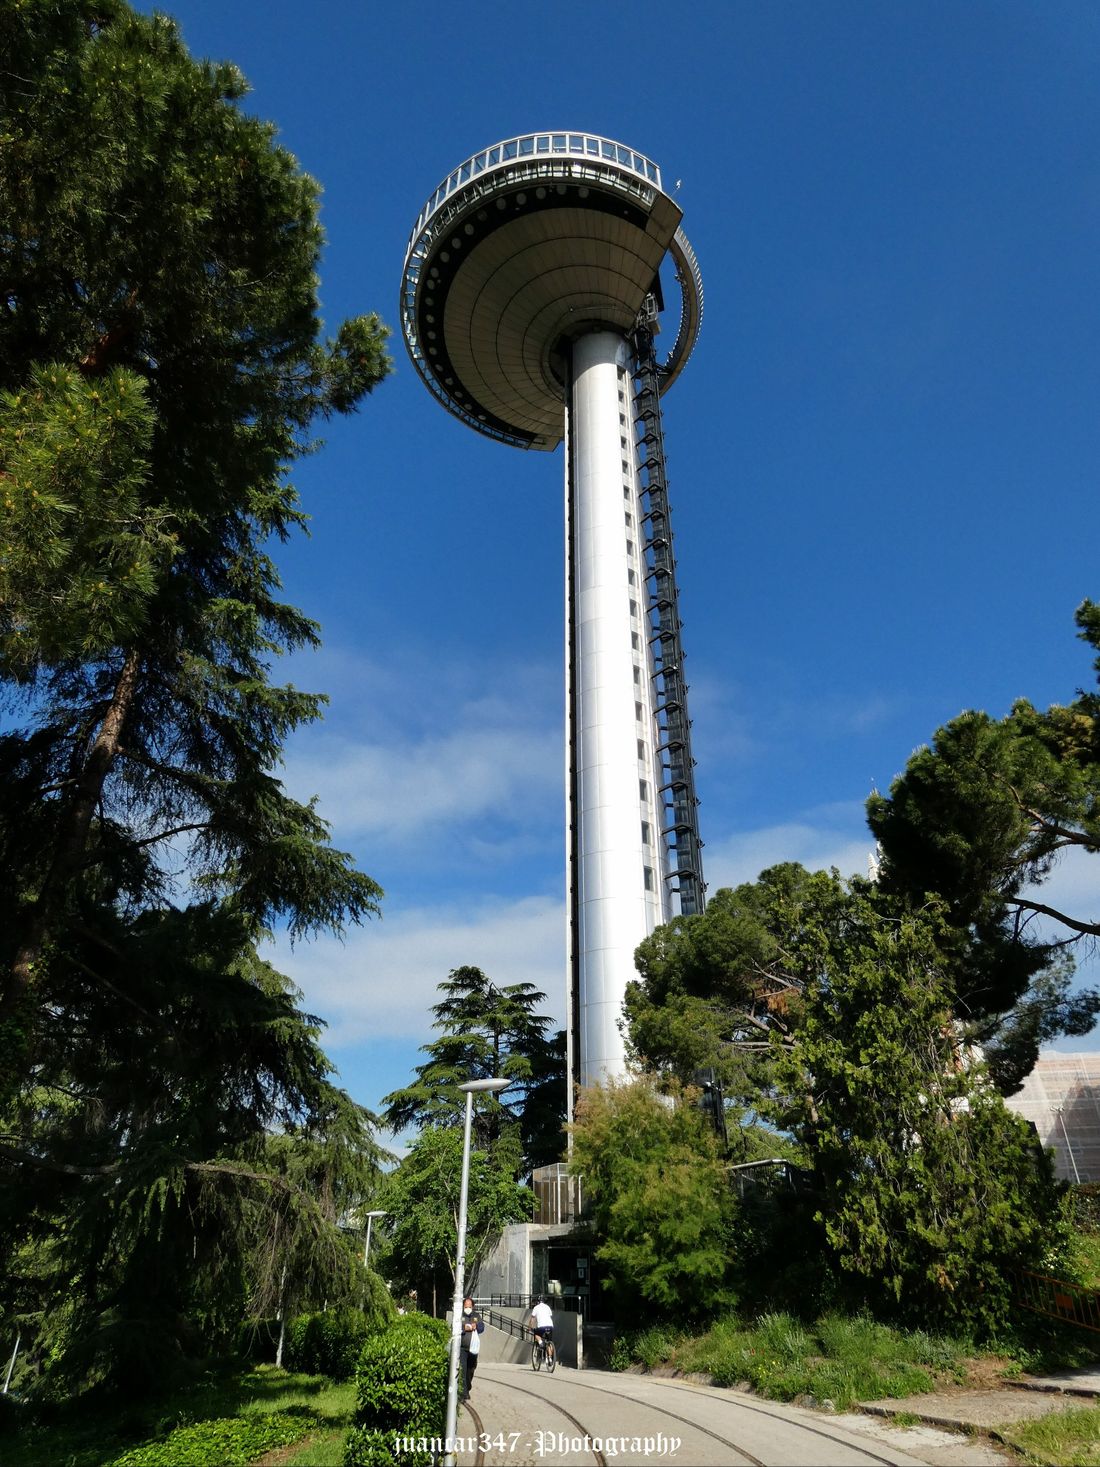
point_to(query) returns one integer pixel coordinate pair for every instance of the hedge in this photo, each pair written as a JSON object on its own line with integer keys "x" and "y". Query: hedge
{"x": 402, "y": 1392}
{"x": 326, "y": 1344}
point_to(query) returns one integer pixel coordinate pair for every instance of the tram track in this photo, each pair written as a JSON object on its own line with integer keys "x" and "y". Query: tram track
{"x": 743, "y": 1456}
{"x": 743, "y": 1405}
{"x": 601, "y": 1460}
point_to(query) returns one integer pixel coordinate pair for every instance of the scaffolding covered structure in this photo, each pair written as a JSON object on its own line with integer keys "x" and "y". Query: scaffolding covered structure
{"x": 1061, "y": 1097}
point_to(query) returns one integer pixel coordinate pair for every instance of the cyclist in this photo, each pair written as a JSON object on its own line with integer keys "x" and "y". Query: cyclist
{"x": 542, "y": 1323}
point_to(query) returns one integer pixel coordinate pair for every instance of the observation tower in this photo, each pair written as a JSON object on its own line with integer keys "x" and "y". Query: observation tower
{"x": 530, "y": 303}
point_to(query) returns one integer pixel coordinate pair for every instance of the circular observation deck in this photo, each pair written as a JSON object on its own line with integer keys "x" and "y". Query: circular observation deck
{"x": 524, "y": 247}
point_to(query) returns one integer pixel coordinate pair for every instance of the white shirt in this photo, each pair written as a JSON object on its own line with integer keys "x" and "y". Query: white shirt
{"x": 543, "y": 1316}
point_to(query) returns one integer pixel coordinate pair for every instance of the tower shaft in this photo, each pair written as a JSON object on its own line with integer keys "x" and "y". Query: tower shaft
{"x": 618, "y": 890}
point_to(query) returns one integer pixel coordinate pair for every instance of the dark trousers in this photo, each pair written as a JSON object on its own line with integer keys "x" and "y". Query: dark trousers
{"x": 469, "y": 1365}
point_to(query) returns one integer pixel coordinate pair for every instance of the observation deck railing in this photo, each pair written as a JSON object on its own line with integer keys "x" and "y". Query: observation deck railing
{"x": 535, "y": 145}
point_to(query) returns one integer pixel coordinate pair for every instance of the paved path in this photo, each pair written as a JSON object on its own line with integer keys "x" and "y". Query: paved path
{"x": 992, "y": 1410}
{"x": 596, "y": 1419}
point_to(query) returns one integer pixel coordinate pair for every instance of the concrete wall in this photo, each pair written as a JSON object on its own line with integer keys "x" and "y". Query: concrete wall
{"x": 500, "y": 1345}
{"x": 507, "y": 1269}
{"x": 567, "y": 1336}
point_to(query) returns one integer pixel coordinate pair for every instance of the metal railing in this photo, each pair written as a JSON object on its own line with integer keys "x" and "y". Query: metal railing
{"x": 514, "y": 1327}
{"x": 1058, "y": 1299}
{"x": 531, "y": 147}
{"x": 569, "y": 1303}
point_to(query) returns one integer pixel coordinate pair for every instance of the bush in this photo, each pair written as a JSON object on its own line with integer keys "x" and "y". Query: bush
{"x": 368, "y": 1447}
{"x": 402, "y": 1392}
{"x": 230, "y": 1441}
{"x": 1086, "y": 1206}
{"x": 257, "y": 1340}
{"x": 11, "y": 1413}
{"x": 648, "y": 1347}
{"x": 330, "y": 1343}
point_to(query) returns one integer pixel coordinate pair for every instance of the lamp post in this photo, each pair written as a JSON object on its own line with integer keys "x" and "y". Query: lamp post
{"x": 1058, "y": 1109}
{"x": 378, "y": 1212}
{"x": 470, "y": 1089}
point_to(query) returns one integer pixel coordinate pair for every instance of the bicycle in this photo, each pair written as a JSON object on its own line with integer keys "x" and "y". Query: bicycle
{"x": 542, "y": 1354}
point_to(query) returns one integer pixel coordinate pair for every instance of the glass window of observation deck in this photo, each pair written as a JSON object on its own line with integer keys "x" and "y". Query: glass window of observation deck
{"x": 559, "y": 142}
{"x": 592, "y": 145}
{"x": 511, "y": 149}
{"x": 464, "y": 172}
{"x": 479, "y": 163}
{"x": 543, "y": 145}
{"x": 576, "y": 144}
{"x": 608, "y": 150}
{"x": 526, "y": 147}
{"x": 494, "y": 155}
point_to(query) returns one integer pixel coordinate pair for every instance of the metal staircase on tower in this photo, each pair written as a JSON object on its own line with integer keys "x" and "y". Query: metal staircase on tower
{"x": 681, "y": 822}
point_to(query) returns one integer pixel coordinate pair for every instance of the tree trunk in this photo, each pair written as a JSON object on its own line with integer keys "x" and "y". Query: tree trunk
{"x": 282, "y": 1321}
{"x": 72, "y": 840}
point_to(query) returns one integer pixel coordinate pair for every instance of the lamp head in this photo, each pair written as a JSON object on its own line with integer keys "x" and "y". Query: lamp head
{"x": 481, "y": 1087}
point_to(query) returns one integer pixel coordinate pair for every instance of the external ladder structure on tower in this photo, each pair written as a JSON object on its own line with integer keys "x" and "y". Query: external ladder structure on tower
{"x": 681, "y": 828}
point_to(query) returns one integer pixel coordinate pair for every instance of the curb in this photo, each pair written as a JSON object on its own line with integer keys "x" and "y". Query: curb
{"x": 1040, "y": 1387}
{"x": 968, "y": 1428}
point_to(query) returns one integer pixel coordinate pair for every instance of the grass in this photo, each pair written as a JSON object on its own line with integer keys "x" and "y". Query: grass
{"x": 90, "y": 1436}
{"x": 1062, "y": 1439}
{"x": 837, "y": 1359}
{"x": 1086, "y": 1258}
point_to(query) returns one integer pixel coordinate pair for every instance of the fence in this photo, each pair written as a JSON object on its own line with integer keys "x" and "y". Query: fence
{"x": 1058, "y": 1299}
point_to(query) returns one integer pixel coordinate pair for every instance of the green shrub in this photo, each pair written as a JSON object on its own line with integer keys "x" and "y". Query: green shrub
{"x": 838, "y": 1359}
{"x": 330, "y": 1343}
{"x": 11, "y": 1412}
{"x": 1085, "y": 1201}
{"x": 649, "y": 1347}
{"x": 257, "y": 1340}
{"x": 621, "y": 1356}
{"x": 228, "y": 1442}
{"x": 368, "y": 1447}
{"x": 401, "y": 1391}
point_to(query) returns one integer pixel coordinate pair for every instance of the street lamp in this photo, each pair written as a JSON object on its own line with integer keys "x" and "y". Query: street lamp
{"x": 1058, "y": 1109}
{"x": 470, "y": 1089}
{"x": 378, "y": 1212}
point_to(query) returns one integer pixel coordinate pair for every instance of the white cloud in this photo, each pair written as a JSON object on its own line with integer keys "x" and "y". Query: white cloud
{"x": 822, "y": 839}
{"x": 407, "y": 788}
{"x": 427, "y": 744}
{"x": 382, "y": 981}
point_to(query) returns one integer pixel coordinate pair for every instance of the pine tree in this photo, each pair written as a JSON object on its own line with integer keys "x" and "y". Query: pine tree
{"x": 980, "y": 817}
{"x": 162, "y": 365}
{"x": 489, "y": 1031}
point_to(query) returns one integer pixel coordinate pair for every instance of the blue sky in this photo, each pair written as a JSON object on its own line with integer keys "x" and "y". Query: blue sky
{"x": 883, "y": 455}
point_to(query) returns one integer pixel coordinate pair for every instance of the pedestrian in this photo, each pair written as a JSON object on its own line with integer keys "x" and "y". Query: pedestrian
{"x": 473, "y": 1326}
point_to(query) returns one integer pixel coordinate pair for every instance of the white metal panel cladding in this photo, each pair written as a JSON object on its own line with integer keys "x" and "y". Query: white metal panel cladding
{"x": 613, "y": 734}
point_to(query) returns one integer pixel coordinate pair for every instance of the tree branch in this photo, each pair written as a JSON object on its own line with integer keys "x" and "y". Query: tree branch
{"x": 1086, "y": 929}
